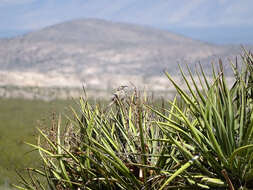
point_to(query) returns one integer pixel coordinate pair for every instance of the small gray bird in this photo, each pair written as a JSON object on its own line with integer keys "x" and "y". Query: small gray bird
{"x": 119, "y": 95}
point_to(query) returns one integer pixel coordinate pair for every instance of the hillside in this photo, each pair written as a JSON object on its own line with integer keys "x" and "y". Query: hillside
{"x": 101, "y": 55}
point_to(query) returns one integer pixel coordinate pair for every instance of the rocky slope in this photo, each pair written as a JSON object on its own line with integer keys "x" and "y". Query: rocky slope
{"x": 101, "y": 55}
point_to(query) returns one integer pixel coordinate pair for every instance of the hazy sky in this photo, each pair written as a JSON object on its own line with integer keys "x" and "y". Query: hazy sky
{"x": 218, "y": 21}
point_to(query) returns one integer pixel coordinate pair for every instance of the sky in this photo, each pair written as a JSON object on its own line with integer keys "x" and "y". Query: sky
{"x": 215, "y": 21}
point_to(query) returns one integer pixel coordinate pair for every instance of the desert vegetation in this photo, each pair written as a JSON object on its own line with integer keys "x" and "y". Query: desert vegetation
{"x": 201, "y": 139}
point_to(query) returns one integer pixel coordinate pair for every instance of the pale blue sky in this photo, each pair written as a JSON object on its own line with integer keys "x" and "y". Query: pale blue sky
{"x": 218, "y": 21}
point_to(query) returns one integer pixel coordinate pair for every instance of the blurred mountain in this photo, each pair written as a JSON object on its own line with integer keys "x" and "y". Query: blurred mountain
{"x": 218, "y": 21}
{"x": 102, "y": 54}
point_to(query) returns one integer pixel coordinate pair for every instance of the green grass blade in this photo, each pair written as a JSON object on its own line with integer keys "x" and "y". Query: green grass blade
{"x": 179, "y": 171}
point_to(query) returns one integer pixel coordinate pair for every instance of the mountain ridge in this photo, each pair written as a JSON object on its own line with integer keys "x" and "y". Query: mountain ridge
{"x": 101, "y": 54}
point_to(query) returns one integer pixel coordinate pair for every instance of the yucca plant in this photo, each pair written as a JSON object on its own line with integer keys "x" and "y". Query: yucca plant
{"x": 215, "y": 122}
{"x": 202, "y": 141}
{"x": 115, "y": 147}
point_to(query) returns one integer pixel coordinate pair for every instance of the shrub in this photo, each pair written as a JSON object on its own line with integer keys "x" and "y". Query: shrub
{"x": 115, "y": 147}
{"x": 203, "y": 140}
{"x": 216, "y": 123}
